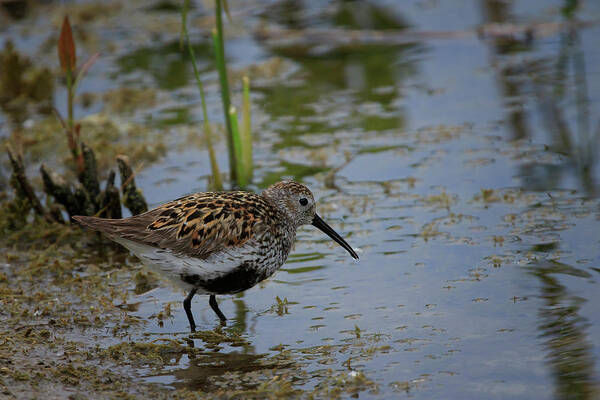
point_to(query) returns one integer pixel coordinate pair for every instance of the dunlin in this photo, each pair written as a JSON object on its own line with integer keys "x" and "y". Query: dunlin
{"x": 218, "y": 243}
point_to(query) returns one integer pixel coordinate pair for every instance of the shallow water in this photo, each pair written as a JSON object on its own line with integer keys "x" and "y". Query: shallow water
{"x": 467, "y": 181}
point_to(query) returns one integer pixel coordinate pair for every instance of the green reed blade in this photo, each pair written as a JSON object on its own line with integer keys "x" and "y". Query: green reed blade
{"x": 246, "y": 129}
{"x": 217, "y": 183}
{"x": 237, "y": 145}
{"x": 216, "y": 174}
{"x": 218, "y": 41}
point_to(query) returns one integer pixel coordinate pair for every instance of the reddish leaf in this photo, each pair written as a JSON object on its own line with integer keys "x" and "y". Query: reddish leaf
{"x": 66, "y": 47}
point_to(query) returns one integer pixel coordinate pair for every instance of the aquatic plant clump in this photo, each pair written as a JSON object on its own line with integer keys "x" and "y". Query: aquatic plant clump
{"x": 84, "y": 197}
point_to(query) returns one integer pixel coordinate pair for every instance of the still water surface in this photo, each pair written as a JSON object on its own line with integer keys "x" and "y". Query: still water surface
{"x": 466, "y": 177}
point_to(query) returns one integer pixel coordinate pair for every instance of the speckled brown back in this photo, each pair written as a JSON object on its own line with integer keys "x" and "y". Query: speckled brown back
{"x": 197, "y": 225}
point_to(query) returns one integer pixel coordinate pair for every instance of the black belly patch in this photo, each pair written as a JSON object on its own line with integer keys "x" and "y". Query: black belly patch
{"x": 241, "y": 278}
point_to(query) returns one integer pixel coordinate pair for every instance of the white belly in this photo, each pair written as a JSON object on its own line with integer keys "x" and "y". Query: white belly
{"x": 175, "y": 266}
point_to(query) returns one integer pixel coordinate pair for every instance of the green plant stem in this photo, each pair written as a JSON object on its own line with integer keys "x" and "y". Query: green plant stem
{"x": 216, "y": 174}
{"x": 221, "y": 67}
{"x": 237, "y": 146}
{"x": 246, "y": 130}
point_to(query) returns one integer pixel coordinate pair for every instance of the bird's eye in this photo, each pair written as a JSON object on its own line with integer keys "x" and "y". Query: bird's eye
{"x": 303, "y": 201}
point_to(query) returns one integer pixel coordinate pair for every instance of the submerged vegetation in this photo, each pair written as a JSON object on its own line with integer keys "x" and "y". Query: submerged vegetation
{"x": 23, "y": 85}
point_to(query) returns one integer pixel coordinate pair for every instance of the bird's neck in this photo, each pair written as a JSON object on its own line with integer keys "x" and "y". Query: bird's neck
{"x": 279, "y": 204}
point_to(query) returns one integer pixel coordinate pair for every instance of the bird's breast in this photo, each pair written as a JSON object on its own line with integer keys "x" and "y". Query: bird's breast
{"x": 260, "y": 260}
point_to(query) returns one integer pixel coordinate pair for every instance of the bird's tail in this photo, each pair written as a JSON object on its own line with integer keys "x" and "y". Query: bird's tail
{"x": 105, "y": 225}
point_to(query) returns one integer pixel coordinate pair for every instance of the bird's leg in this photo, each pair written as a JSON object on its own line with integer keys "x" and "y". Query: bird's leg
{"x": 187, "y": 306}
{"x": 213, "y": 304}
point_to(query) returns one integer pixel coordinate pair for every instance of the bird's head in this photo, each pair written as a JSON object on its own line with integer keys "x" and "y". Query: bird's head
{"x": 297, "y": 202}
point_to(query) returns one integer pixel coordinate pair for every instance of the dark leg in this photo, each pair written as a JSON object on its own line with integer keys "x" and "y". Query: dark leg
{"x": 187, "y": 306}
{"x": 213, "y": 304}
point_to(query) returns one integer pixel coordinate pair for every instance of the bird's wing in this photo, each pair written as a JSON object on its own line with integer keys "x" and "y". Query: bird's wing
{"x": 197, "y": 225}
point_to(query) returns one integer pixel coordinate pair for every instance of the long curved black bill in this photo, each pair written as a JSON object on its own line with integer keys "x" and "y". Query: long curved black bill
{"x": 322, "y": 225}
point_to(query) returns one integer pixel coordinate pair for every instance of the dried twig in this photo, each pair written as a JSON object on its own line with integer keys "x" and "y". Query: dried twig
{"x": 16, "y": 162}
{"x": 57, "y": 187}
{"x": 110, "y": 200}
{"x": 89, "y": 175}
{"x": 132, "y": 197}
